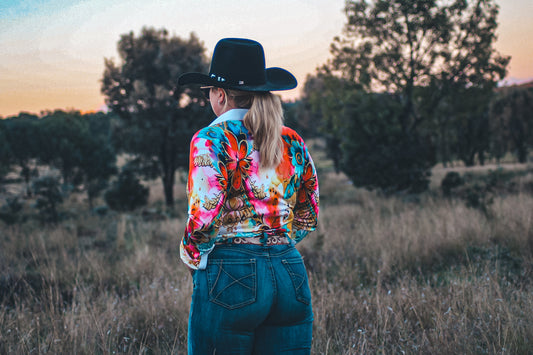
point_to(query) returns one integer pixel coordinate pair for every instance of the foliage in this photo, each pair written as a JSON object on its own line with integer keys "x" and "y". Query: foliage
{"x": 5, "y": 151}
{"x": 11, "y": 211}
{"x": 47, "y": 189}
{"x": 99, "y": 158}
{"x": 80, "y": 147}
{"x": 158, "y": 117}
{"x": 60, "y": 135}
{"x": 398, "y": 45}
{"x": 452, "y": 180}
{"x": 126, "y": 193}
{"x": 324, "y": 95}
{"x": 299, "y": 116}
{"x": 470, "y": 131}
{"x": 376, "y": 153}
{"x": 20, "y": 134}
{"x": 425, "y": 55}
{"x": 512, "y": 121}
{"x": 479, "y": 190}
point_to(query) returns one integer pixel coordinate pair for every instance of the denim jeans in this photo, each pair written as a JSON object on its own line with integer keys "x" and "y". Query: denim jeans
{"x": 251, "y": 299}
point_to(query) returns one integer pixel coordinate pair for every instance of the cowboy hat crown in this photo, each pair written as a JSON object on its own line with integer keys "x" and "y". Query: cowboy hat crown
{"x": 239, "y": 64}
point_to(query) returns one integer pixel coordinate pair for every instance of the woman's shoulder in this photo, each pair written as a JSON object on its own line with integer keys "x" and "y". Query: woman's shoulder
{"x": 291, "y": 134}
{"x": 215, "y": 132}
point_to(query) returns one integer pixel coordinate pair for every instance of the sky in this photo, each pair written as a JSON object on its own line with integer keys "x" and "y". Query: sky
{"x": 52, "y": 51}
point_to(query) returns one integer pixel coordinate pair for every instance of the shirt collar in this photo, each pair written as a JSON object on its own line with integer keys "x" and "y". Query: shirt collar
{"x": 236, "y": 114}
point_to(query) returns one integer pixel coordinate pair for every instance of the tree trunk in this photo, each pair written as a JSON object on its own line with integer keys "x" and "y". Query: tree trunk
{"x": 481, "y": 157}
{"x": 469, "y": 159}
{"x": 522, "y": 153}
{"x": 168, "y": 185}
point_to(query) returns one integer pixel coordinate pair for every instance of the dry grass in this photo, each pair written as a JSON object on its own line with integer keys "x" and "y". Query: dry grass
{"x": 388, "y": 276}
{"x": 435, "y": 277}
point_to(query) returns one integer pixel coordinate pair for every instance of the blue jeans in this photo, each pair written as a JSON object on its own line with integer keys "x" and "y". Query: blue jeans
{"x": 251, "y": 299}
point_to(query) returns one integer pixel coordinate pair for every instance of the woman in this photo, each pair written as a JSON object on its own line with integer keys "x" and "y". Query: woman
{"x": 253, "y": 194}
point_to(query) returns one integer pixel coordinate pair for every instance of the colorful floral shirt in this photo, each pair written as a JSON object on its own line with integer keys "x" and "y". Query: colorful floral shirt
{"x": 230, "y": 196}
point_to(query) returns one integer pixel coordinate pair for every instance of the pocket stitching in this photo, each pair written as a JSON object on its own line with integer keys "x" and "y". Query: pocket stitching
{"x": 298, "y": 289}
{"x": 213, "y": 283}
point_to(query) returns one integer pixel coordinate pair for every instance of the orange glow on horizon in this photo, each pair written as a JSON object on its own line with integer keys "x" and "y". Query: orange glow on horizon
{"x": 47, "y": 67}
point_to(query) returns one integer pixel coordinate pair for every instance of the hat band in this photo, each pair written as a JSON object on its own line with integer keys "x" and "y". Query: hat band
{"x": 218, "y": 78}
{"x": 222, "y": 79}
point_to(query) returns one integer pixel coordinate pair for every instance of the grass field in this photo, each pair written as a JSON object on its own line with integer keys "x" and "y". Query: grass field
{"x": 400, "y": 275}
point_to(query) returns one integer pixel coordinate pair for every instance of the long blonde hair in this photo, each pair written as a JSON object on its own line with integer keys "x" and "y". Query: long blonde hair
{"x": 265, "y": 121}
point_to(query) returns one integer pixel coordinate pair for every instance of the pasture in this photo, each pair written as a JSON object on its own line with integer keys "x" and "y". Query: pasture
{"x": 394, "y": 275}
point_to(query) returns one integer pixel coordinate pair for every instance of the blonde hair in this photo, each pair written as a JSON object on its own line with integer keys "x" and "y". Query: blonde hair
{"x": 265, "y": 121}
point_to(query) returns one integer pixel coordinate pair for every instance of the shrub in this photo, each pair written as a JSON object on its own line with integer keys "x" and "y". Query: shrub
{"x": 451, "y": 181}
{"x": 48, "y": 192}
{"x": 378, "y": 152}
{"x": 479, "y": 196}
{"x": 11, "y": 213}
{"x": 126, "y": 193}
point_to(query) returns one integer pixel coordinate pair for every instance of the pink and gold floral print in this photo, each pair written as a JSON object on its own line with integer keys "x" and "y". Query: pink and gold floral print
{"x": 231, "y": 196}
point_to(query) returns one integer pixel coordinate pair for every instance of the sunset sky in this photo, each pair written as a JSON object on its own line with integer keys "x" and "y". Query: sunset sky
{"x": 52, "y": 51}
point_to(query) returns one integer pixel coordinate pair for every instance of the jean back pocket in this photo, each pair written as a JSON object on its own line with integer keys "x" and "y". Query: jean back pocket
{"x": 232, "y": 283}
{"x": 298, "y": 275}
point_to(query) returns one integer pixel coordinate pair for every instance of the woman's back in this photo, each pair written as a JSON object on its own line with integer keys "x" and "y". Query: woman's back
{"x": 231, "y": 196}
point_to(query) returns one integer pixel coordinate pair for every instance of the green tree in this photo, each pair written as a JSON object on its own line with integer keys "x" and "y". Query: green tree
{"x": 469, "y": 128}
{"x": 5, "y": 151}
{"x": 376, "y": 152}
{"x": 20, "y": 133}
{"x": 99, "y": 157}
{"x": 126, "y": 193}
{"x": 417, "y": 52}
{"x": 79, "y": 146}
{"x": 158, "y": 116}
{"x": 512, "y": 121}
{"x": 60, "y": 135}
{"x": 49, "y": 197}
{"x": 325, "y": 96}
{"x": 467, "y": 81}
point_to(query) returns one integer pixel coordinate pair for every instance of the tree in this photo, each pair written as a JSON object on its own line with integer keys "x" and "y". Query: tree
{"x": 512, "y": 121}
{"x": 60, "y": 136}
{"x": 49, "y": 197}
{"x": 80, "y": 147}
{"x": 5, "y": 151}
{"x": 99, "y": 158}
{"x": 325, "y": 96}
{"x": 126, "y": 193}
{"x": 417, "y": 52}
{"x": 469, "y": 129}
{"x": 20, "y": 132}
{"x": 158, "y": 117}
{"x": 376, "y": 152}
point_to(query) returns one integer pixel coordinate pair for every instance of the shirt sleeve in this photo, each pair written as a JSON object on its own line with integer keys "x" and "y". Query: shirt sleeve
{"x": 307, "y": 204}
{"x": 206, "y": 189}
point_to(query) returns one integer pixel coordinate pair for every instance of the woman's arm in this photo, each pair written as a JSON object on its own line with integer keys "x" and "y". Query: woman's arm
{"x": 307, "y": 205}
{"x": 206, "y": 189}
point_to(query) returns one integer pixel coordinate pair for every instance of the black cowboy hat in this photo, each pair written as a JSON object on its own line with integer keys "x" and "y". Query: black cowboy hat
{"x": 239, "y": 64}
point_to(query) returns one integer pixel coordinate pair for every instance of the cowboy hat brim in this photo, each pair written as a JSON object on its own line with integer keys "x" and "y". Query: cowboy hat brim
{"x": 277, "y": 79}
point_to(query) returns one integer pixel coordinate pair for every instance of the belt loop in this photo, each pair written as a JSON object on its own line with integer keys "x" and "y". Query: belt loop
{"x": 291, "y": 241}
{"x": 264, "y": 238}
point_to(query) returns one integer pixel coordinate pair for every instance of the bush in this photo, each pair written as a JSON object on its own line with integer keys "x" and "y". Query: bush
{"x": 126, "y": 193}
{"x": 479, "y": 196}
{"x": 452, "y": 180}
{"x": 377, "y": 152}
{"x": 11, "y": 213}
{"x": 48, "y": 192}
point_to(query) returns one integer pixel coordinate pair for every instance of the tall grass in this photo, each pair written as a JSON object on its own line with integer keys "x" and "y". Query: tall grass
{"x": 388, "y": 275}
{"x": 430, "y": 277}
